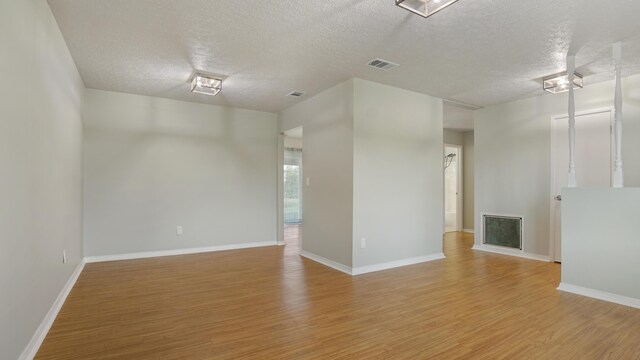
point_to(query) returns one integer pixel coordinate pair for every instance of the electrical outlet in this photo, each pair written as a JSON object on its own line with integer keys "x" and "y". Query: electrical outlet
{"x": 363, "y": 243}
{"x": 179, "y": 230}
{"x": 64, "y": 256}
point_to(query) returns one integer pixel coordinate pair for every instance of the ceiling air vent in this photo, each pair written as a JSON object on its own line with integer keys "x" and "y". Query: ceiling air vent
{"x": 382, "y": 64}
{"x": 296, "y": 94}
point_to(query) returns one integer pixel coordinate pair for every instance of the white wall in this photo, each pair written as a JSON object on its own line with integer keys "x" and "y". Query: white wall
{"x": 512, "y": 154}
{"x": 151, "y": 164}
{"x": 328, "y": 163}
{"x": 292, "y": 142}
{"x": 40, "y": 169}
{"x": 453, "y": 137}
{"x": 397, "y": 184}
{"x": 373, "y": 154}
{"x": 600, "y": 244}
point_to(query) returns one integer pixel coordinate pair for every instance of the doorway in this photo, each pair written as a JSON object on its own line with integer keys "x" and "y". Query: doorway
{"x": 292, "y": 189}
{"x": 453, "y": 209}
{"x": 593, "y": 162}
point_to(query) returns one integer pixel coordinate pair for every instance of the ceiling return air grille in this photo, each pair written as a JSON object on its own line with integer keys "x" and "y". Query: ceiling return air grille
{"x": 296, "y": 94}
{"x": 382, "y": 64}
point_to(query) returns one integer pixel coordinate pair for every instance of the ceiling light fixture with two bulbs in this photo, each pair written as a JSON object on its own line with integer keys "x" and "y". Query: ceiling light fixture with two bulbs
{"x": 206, "y": 84}
{"x": 559, "y": 83}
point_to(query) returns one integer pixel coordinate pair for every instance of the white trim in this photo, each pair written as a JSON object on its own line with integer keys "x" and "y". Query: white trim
{"x": 280, "y": 188}
{"x": 150, "y": 254}
{"x": 326, "y": 262}
{"x": 584, "y": 112}
{"x": 600, "y": 295}
{"x": 552, "y": 171}
{"x": 511, "y": 252}
{"x": 395, "y": 264}
{"x": 470, "y": 231}
{"x": 370, "y": 268}
{"x": 38, "y": 337}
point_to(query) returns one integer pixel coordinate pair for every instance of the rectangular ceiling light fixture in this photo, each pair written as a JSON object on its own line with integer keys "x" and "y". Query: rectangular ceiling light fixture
{"x": 204, "y": 84}
{"x": 424, "y": 8}
{"x": 560, "y": 83}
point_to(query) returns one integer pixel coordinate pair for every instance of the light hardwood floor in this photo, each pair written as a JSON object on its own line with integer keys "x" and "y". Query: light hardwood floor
{"x": 292, "y": 237}
{"x": 268, "y": 303}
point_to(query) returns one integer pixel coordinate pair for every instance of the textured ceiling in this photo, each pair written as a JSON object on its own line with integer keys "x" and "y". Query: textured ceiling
{"x": 480, "y": 52}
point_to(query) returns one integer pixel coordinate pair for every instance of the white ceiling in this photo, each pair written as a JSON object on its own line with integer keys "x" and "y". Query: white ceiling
{"x": 479, "y": 52}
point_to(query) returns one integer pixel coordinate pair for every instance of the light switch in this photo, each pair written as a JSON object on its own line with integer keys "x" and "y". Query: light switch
{"x": 308, "y": 182}
{"x": 179, "y": 230}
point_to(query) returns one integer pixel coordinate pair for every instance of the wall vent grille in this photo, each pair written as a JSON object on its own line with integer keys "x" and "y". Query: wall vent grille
{"x": 502, "y": 230}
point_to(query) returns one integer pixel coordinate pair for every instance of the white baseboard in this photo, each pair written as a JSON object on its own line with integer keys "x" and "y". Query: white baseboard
{"x": 36, "y": 341}
{"x": 470, "y": 231}
{"x": 395, "y": 264}
{"x": 150, "y": 254}
{"x": 324, "y": 261}
{"x": 370, "y": 268}
{"x": 510, "y": 252}
{"x": 600, "y": 295}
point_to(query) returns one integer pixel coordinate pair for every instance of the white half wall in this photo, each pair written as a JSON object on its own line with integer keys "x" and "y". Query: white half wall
{"x": 600, "y": 241}
{"x": 40, "y": 171}
{"x": 512, "y": 155}
{"x": 327, "y": 121}
{"x": 397, "y": 169}
{"x": 153, "y": 164}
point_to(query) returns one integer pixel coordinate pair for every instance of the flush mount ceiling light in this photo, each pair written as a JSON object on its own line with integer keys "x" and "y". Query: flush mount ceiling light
{"x": 205, "y": 84}
{"x": 560, "y": 83}
{"x": 424, "y": 8}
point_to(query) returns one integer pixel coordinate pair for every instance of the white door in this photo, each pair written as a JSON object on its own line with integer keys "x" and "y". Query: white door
{"x": 453, "y": 188}
{"x": 592, "y": 160}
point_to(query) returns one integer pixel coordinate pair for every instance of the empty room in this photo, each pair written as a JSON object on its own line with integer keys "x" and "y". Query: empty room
{"x": 364, "y": 179}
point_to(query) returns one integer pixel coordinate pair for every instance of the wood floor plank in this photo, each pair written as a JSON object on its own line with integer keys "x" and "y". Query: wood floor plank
{"x": 269, "y": 303}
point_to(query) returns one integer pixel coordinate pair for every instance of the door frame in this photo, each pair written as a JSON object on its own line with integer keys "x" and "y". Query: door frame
{"x": 280, "y": 191}
{"x": 460, "y": 189}
{"x": 280, "y": 187}
{"x": 552, "y": 169}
